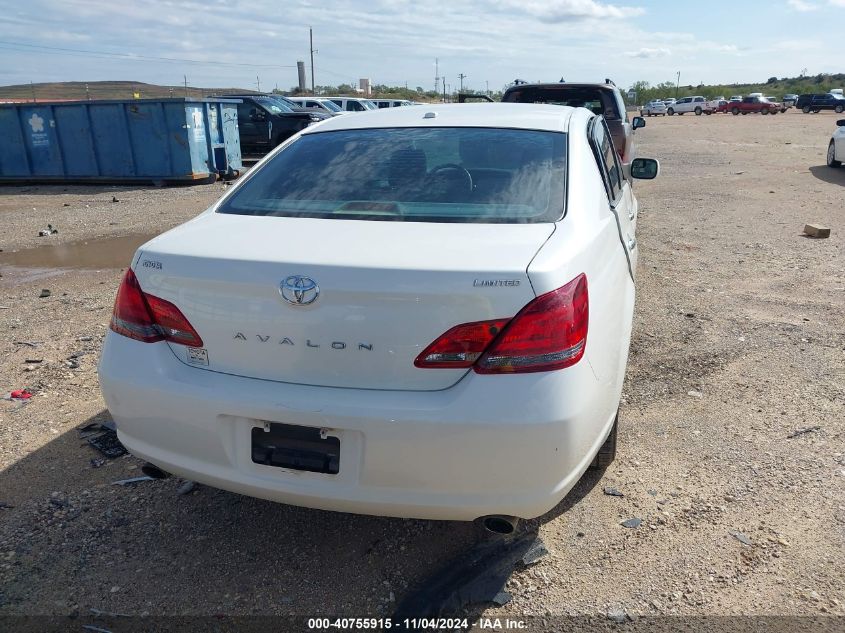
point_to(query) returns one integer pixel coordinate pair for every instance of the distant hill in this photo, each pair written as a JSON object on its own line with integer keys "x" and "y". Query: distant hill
{"x": 80, "y": 90}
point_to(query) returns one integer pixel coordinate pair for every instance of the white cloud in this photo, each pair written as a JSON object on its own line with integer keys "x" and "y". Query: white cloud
{"x": 568, "y": 10}
{"x": 801, "y": 5}
{"x": 648, "y": 53}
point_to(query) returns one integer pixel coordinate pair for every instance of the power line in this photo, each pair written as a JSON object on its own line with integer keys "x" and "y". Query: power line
{"x": 129, "y": 56}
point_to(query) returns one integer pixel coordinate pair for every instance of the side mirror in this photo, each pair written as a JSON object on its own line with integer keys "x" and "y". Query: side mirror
{"x": 638, "y": 122}
{"x": 257, "y": 115}
{"x": 645, "y": 168}
{"x": 841, "y": 123}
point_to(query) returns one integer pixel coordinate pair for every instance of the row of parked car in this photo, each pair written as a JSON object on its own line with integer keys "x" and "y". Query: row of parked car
{"x": 266, "y": 120}
{"x": 755, "y": 102}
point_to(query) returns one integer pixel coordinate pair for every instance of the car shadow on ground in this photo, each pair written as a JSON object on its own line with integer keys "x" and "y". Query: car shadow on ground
{"x": 832, "y": 175}
{"x": 80, "y": 542}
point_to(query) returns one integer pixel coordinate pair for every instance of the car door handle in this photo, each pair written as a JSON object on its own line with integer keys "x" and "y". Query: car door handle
{"x": 632, "y": 243}
{"x": 631, "y": 215}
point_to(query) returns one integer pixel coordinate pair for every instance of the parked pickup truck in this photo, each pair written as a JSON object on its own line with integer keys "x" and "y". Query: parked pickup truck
{"x": 754, "y": 104}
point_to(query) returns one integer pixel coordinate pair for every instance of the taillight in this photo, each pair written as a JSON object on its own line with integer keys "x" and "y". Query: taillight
{"x": 146, "y": 318}
{"x": 461, "y": 346}
{"x": 549, "y": 333}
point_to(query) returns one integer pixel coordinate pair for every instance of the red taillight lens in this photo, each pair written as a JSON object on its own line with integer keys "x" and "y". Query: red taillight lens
{"x": 149, "y": 319}
{"x": 461, "y": 346}
{"x": 549, "y": 333}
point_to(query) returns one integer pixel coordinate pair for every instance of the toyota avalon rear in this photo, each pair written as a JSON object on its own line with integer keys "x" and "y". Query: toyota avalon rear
{"x": 417, "y": 313}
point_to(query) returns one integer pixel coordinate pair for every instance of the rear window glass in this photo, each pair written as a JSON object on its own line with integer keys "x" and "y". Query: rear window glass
{"x": 595, "y": 99}
{"x": 412, "y": 175}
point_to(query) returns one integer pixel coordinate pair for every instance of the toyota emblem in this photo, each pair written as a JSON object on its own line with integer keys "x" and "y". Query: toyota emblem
{"x": 299, "y": 291}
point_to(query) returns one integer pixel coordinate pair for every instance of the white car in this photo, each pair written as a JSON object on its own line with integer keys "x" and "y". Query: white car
{"x": 836, "y": 147}
{"x": 415, "y": 312}
{"x": 689, "y": 104}
{"x": 321, "y": 104}
{"x": 653, "y": 108}
{"x": 353, "y": 104}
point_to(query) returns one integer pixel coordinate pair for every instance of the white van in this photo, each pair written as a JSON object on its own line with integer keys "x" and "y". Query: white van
{"x": 391, "y": 103}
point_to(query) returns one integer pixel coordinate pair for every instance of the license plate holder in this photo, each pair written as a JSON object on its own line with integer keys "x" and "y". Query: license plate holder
{"x": 295, "y": 447}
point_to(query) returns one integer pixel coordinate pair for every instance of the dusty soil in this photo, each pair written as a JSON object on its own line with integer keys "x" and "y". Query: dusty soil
{"x": 731, "y": 446}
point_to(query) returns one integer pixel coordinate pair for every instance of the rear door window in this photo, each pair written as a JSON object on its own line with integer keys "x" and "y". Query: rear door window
{"x": 487, "y": 175}
{"x": 607, "y": 161}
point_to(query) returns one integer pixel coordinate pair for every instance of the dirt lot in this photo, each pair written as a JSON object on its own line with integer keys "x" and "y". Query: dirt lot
{"x": 731, "y": 452}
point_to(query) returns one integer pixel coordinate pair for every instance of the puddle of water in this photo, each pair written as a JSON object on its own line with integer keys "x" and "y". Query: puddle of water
{"x": 45, "y": 261}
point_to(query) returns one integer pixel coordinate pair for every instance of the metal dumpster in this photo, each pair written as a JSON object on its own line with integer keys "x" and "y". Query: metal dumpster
{"x": 164, "y": 141}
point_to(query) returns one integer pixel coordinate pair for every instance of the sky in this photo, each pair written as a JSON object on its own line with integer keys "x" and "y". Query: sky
{"x": 221, "y": 43}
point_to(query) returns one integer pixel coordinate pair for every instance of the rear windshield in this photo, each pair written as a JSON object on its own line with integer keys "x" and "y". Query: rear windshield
{"x": 412, "y": 175}
{"x": 599, "y": 101}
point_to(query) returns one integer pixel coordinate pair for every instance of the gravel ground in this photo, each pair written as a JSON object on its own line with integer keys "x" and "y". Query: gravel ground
{"x": 731, "y": 444}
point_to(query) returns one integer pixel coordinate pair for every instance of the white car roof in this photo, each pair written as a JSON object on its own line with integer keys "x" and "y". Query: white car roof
{"x": 528, "y": 116}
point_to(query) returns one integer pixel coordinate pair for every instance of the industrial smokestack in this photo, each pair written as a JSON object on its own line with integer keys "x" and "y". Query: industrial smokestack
{"x": 300, "y": 69}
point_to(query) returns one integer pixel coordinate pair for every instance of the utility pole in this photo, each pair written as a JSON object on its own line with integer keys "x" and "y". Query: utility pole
{"x": 186, "y": 85}
{"x": 436, "y": 75}
{"x": 257, "y": 83}
{"x": 487, "y": 83}
{"x": 32, "y": 87}
{"x": 462, "y": 77}
{"x": 87, "y": 93}
{"x": 311, "y": 46}
{"x": 677, "y": 84}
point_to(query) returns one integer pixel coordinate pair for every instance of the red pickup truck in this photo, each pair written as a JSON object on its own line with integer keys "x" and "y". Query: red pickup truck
{"x": 753, "y": 104}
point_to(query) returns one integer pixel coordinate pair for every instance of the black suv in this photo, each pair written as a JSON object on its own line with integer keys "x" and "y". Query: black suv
{"x": 604, "y": 99}
{"x": 265, "y": 121}
{"x": 817, "y": 102}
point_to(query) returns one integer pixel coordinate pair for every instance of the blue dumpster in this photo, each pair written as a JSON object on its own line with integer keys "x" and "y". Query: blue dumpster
{"x": 154, "y": 140}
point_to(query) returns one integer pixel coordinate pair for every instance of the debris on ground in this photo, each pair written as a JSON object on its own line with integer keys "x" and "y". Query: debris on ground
{"x": 695, "y": 393}
{"x": 631, "y": 523}
{"x": 5, "y": 506}
{"x": 18, "y": 394}
{"x": 186, "y": 488}
{"x": 742, "y": 538}
{"x": 612, "y": 492}
{"x": 816, "y": 230}
{"x": 97, "y": 463}
{"x": 618, "y": 615}
{"x": 799, "y": 432}
{"x": 33, "y": 361}
{"x": 48, "y": 231}
{"x": 476, "y": 578}
{"x": 44, "y": 293}
{"x": 132, "y": 480}
{"x": 28, "y": 343}
{"x": 114, "y": 199}
{"x": 103, "y": 437}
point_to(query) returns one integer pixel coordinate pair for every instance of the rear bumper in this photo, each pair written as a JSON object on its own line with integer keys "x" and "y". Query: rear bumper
{"x": 489, "y": 445}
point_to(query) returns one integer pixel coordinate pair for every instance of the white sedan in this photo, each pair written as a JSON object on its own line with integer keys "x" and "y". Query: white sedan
{"x": 836, "y": 147}
{"x": 415, "y": 312}
{"x": 653, "y": 108}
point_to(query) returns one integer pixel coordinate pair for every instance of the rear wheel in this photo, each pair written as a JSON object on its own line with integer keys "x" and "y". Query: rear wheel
{"x": 831, "y": 156}
{"x": 735, "y": 111}
{"x": 838, "y": 109}
{"x": 670, "y": 112}
{"x": 764, "y": 111}
{"x": 806, "y": 109}
{"x": 697, "y": 111}
{"x": 607, "y": 452}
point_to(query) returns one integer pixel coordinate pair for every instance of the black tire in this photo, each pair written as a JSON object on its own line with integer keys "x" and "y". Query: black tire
{"x": 709, "y": 112}
{"x": 670, "y": 111}
{"x": 764, "y": 111}
{"x": 735, "y": 111}
{"x": 744, "y": 113}
{"x": 816, "y": 111}
{"x": 838, "y": 109}
{"x": 607, "y": 452}
{"x": 806, "y": 109}
{"x": 697, "y": 111}
{"x": 831, "y": 156}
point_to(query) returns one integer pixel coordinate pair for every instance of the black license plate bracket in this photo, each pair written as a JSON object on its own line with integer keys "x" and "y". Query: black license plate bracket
{"x": 295, "y": 447}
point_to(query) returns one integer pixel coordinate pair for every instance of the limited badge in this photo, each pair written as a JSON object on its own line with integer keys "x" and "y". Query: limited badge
{"x": 197, "y": 356}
